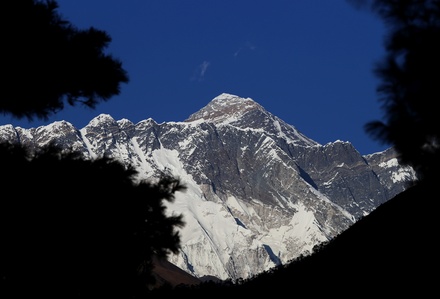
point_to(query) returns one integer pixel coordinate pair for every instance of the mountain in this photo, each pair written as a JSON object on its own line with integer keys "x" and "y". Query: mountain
{"x": 259, "y": 193}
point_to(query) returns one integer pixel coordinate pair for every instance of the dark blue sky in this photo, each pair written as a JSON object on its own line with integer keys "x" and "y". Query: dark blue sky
{"x": 308, "y": 62}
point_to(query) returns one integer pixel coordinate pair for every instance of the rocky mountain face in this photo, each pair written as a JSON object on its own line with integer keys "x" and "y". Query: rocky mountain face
{"x": 259, "y": 193}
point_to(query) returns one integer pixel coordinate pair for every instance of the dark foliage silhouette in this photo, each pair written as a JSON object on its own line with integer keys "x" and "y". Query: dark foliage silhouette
{"x": 47, "y": 62}
{"x": 410, "y": 79}
{"x": 72, "y": 228}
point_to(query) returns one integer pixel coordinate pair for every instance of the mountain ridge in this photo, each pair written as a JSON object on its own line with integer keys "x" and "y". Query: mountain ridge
{"x": 259, "y": 193}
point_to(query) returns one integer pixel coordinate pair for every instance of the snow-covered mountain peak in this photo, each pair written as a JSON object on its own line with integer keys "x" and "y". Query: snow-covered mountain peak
{"x": 101, "y": 119}
{"x": 225, "y": 108}
{"x": 246, "y": 114}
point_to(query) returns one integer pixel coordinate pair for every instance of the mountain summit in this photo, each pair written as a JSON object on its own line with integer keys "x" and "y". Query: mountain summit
{"x": 259, "y": 193}
{"x": 246, "y": 114}
{"x": 225, "y": 108}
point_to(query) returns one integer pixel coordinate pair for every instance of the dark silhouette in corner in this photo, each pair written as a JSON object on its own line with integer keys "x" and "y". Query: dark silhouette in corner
{"x": 409, "y": 82}
{"x": 70, "y": 227}
{"x": 48, "y": 62}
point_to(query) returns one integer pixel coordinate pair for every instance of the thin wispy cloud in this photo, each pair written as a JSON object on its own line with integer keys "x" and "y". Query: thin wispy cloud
{"x": 200, "y": 71}
{"x": 246, "y": 46}
{"x": 204, "y": 67}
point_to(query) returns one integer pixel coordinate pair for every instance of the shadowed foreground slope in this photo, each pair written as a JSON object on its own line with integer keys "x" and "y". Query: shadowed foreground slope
{"x": 166, "y": 273}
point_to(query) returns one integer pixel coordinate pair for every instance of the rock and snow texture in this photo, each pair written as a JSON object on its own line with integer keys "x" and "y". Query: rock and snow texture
{"x": 259, "y": 192}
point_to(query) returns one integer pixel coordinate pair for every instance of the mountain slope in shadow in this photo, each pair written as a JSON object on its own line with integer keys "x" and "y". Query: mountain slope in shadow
{"x": 166, "y": 273}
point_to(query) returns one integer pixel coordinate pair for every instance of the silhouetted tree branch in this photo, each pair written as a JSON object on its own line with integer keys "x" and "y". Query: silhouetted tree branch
{"x": 76, "y": 228}
{"x": 410, "y": 79}
{"x": 48, "y": 62}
